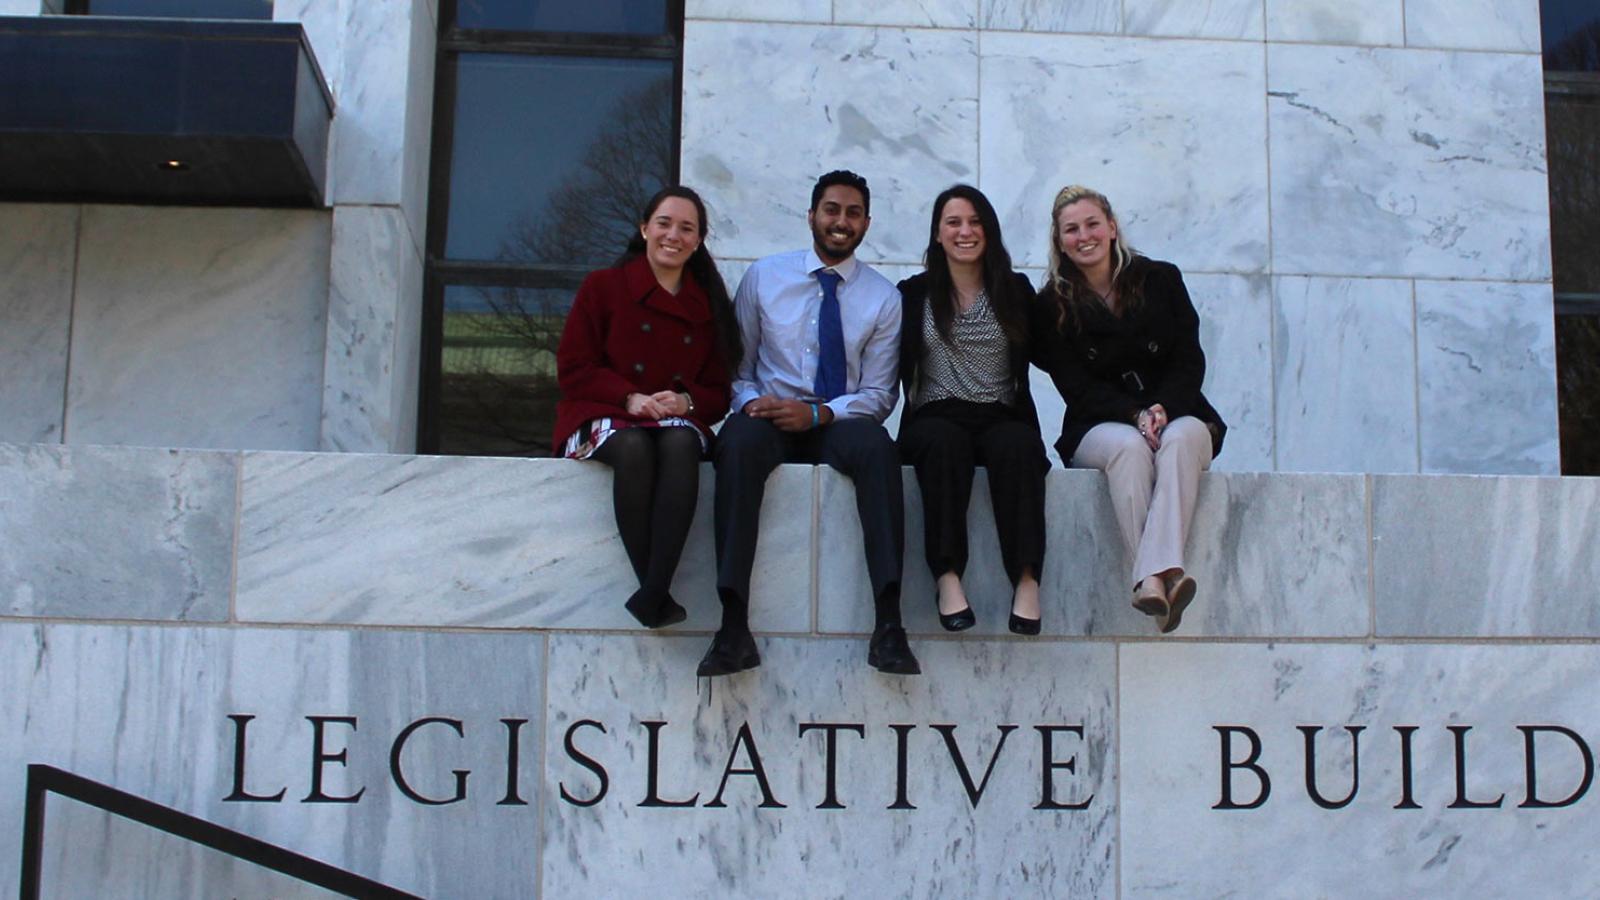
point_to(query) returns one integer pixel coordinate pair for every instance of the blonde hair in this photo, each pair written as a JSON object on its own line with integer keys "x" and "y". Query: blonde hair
{"x": 1121, "y": 253}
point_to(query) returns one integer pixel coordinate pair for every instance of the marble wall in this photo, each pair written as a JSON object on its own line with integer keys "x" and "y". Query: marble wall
{"x": 391, "y": 633}
{"x": 1356, "y": 191}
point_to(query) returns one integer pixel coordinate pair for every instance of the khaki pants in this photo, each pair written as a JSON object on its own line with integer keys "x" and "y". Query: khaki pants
{"x": 1152, "y": 492}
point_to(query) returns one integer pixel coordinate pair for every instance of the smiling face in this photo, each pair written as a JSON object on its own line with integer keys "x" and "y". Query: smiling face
{"x": 961, "y": 232}
{"x": 671, "y": 234}
{"x": 838, "y": 223}
{"x": 1084, "y": 234}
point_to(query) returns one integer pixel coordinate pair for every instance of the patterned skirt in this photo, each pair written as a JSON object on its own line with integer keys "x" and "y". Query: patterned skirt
{"x": 582, "y": 443}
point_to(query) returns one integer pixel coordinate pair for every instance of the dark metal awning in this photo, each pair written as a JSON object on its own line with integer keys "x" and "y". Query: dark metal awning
{"x": 96, "y": 109}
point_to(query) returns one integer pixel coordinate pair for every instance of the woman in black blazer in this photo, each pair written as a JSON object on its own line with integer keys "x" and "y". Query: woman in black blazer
{"x": 1124, "y": 350}
{"x": 964, "y": 352}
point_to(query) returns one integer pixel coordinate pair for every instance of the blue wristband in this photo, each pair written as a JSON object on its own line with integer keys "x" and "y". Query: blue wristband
{"x": 816, "y": 416}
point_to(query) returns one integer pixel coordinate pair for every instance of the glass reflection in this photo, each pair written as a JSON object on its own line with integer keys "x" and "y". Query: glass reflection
{"x": 183, "y": 9}
{"x": 591, "y": 17}
{"x": 1571, "y": 35}
{"x": 553, "y": 156}
{"x": 498, "y": 392}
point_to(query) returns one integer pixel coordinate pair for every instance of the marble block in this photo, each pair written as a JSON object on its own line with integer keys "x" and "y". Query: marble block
{"x": 107, "y": 533}
{"x": 199, "y": 327}
{"x": 502, "y": 543}
{"x": 38, "y": 247}
{"x": 1474, "y": 24}
{"x": 150, "y": 711}
{"x": 1176, "y": 703}
{"x": 940, "y": 842}
{"x": 761, "y": 10}
{"x": 918, "y": 13}
{"x": 1344, "y": 371}
{"x": 1236, "y": 334}
{"x": 754, "y": 155}
{"x": 1486, "y": 378}
{"x": 1093, "y": 16}
{"x": 1173, "y": 132}
{"x": 1336, "y": 21}
{"x": 1242, "y": 19}
{"x": 1408, "y": 163}
{"x": 375, "y": 284}
{"x": 1518, "y": 554}
{"x": 376, "y": 136}
{"x": 418, "y": 129}
{"x": 1274, "y": 556}
{"x": 20, "y": 7}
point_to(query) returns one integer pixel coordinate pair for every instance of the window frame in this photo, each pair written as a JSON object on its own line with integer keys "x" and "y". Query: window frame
{"x": 439, "y": 271}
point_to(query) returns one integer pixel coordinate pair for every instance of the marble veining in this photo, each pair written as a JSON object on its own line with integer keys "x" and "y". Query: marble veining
{"x": 1344, "y": 372}
{"x": 761, "y": 10}
{"x": 1518, "y": 555}
{"x": 1486, "y": 378}
{"x": 38, "y": 244}
{"x": 1336, "y": 21}
{"x": 1383, "y": 164}
{"x": 920, "y": 13}
{"x": 754, "y": 155}
{"x": 370, "y": 132}
{"x": 996, "y": 845}
{"x": 1093, "y": 16}
{"x": 199, "y": 327}
{"x": 147, "y": 710}
{"x": 1173, "y": 132}
{"x": 1474, "y": 24}
{"x": 110, "y": 533}
{"x": 503, "y": 543}
{"x": 1188, "y": 18}
{"x": 1174, "y": 698}
{"x": 1236, "y": 334}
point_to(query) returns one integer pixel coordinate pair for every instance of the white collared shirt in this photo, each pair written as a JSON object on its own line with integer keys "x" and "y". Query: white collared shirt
{"x": 778, "y": 304}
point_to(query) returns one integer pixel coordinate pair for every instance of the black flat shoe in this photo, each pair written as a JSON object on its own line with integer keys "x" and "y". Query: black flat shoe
{"x": 1020, "y": 625}
{"x": 956, "y": 621}
{"x": 890, "y": 652}
{"x": 731, "y": 651}
{"x": 653, "y": 610}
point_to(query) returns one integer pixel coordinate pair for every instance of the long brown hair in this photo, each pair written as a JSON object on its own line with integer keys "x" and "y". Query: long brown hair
{"x": 1067, "y": 283}
{"x": 998, "y": 281}
{"x": 704, "y": 269}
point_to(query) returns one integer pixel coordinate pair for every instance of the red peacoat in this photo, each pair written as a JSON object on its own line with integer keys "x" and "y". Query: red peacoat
{"x": 627, "y": 335}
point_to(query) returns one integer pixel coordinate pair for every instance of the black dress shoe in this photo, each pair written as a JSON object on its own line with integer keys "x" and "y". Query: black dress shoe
{"x": 956, "y": 621}
{"x": 890, "y": 652}
{"x": 655, "y": 609}
{"x": 732, "y": 650}
{"x": 1022, "y": 625}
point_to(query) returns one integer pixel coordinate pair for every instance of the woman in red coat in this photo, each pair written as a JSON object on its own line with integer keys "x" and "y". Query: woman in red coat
{"x": 644, "y": 367}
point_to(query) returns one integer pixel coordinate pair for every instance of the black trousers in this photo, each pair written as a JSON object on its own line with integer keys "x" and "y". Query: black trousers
{"x": 945, "y": 441}
{"x": 748, "y": 449}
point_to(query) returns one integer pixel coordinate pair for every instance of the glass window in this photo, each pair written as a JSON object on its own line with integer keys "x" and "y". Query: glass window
{"x": 545, "y": 146}
{"x": 1571, "y": 35}
{"x": 565, "y": 16}
{"x": 177, "y": 9}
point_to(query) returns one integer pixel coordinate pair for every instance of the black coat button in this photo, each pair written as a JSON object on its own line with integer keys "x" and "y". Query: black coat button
{"x": 687, "y": 339}
{"x": 645, "y": 327}
{"x": 638, "y": 367}
{"x": 1092, "y": 353}
{"x": 1153, "y": 347}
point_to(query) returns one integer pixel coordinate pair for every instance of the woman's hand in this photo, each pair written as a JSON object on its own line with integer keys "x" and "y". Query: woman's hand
{"x": 645, "y": 406}
{"x": 676, "y": 403}
{"x": 1151, "y": 421}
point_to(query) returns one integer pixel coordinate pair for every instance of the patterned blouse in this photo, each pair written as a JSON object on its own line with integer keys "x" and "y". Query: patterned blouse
{"x": 974, "y": 365}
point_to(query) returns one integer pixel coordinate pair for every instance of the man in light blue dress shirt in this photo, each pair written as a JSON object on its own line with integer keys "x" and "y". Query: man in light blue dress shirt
{"x": 819, "y": 375}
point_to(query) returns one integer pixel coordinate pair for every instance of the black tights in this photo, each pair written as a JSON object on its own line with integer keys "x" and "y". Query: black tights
{"x": 656, "y": 481}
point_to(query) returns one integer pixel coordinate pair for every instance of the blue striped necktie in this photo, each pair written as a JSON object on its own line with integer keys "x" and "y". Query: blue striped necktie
{"x": 830, "y": 381}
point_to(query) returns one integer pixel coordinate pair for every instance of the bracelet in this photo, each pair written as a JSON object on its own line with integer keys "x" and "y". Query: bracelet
{"x": 689, "y": 399}
{"x": 816, "y": 416}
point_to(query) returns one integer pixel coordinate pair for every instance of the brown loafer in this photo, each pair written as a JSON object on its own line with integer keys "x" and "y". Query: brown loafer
{"x": 1149, "y": 600}
{"x": 1180, "y": 592}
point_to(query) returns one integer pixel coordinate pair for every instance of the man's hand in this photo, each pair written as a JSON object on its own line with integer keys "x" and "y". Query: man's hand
{"x": 788, "y": 415}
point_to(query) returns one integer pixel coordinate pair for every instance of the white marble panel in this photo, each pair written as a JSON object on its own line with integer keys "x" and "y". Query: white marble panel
{"x": 503, "y": 543}
{"x": 146, "y": 710}
{"x": 1186, "y": 18}
{"x": 20, "y": 7}
{"x": 1094, "y": 16}
{"x": 917, "y": 13}
{"x": 199, "y": 327}
{"x": 761, "y": 10}
{"x": 1274, "y": 555}
{"x": 948, "y": 845}
{"x": 1336, "y": 21}
{"x": 1173, "y": 132}
{"x": 1486, "y": 378}
{"x": 109, "y": 533}
{"x": 375, "y": 148}
{"x": 1345, "y": 374}
{"x": 1474, "y": 24}
{"x": 1236, "y": 333}
{"x": 1408, "y": 163}
{"x": 1457, "y": 556}
{"x": 369, "y": 373}
{"x": 38, "y": 247}
{"x": 418, "y": 130}
{"x": 1174, "y": 839}
{"x": 754, "y": 155}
